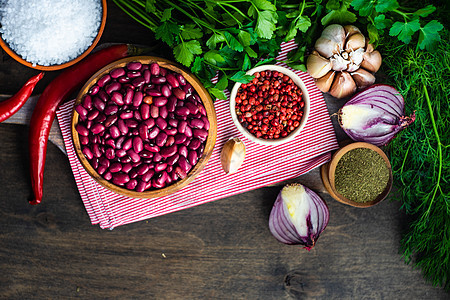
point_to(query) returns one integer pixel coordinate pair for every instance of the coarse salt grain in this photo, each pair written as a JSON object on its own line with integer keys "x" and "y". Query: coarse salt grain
{"x": 48, "y": 32}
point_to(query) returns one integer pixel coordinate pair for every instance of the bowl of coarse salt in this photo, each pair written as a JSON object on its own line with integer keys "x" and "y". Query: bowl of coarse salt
{"x": 51, "y": 35}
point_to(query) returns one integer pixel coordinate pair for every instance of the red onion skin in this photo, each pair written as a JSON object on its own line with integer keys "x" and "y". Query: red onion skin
{"x": 385, "y": 98}
{"x": 284, "y": 230}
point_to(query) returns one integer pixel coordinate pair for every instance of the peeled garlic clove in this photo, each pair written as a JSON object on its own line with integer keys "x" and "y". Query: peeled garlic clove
{"x": 324, "y": 83}
{"x": 351, "y": 30}
{"x": 343, "y": 86}
{"x": 232, "y": 155}
{"x": 339, "y": 63}
{"x": 355, "y": 42}
{"x": 331, "y": 41}
{"x": 317, "y": 65}
{"x": 356, "y": 57}
{"x": 371, "y": 61}
{"x": 363, "y": 78}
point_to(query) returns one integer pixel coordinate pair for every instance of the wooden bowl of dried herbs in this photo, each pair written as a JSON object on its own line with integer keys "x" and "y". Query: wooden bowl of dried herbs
{"x": 359, "y": 175}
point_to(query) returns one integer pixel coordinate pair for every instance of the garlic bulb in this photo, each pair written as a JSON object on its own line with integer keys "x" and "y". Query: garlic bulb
{"x": 343, "y": 61}
{"x": 232, "y": 155}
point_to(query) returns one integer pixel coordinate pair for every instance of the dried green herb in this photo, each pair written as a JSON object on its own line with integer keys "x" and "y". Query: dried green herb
{"x": 361, "y": 175}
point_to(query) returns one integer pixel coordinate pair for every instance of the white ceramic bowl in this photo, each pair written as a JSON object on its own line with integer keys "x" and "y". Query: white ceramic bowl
{"x": 298, "y": 81}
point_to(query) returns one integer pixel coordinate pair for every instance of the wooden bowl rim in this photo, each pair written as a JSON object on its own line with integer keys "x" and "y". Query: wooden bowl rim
{"x": 19, "y": 59}
{"x": 332, "y": 168}
{"x": 306, "y": 109}
{"x": 210, "y": 142}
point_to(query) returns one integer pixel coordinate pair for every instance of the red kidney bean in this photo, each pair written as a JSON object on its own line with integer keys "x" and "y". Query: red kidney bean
{"x": 202, "y": 109}
{"x": 87, "y": 152}
{"x": 133, "y": 174}
{"x": 110, "y": 142}
{"x": 115, "y": 167}
{"x": 133, "y": 74}
{"x": 103, "y": 96}
{"x": 145, "y": 111}
{"x": 114, "y": 131}
{"x": 104, "y": 161}
{"x": 206, "y": 125}
{"x": 196, "y": 124}
{"x": 117, "y": 98}
{"x": 133, "y": 155}
{"x": 180, "y": 172}
{"x": 107, "y": 176}
{"x": 170, "y": 130}
{"x": 87, "y": 102}
{"x": 137, "y": 99}
{"x": 166, "y": 90}
{"x": 126, "y": 167}
{"x": 116, "y": 73}
{"x": 182, "y": 126}
{"x": 158, "y": 79}
{"x": 163, "y": 113}
{"x": 122, "y": 126}
{"x": 138, "y": 145}
{"x": 182, "y": 111}
{"x": 172, "y": 80}
{"x": 127, "y": 114}
{"x": 83, "y": 112}
{"x": 148, "y": 175}
{"x": 194, "y": 144}
{"x": 114, "y": 86}
{"x": 111, "y": 109}
{"x": 143, "y": 131}
{"x": 127, "y": 144}
{"x": 168, "y": 179}
{"x": 95, "y": 163}
{"x": 141, "y": 186}
{"x": 161, "y": 139}
{"x": 181, "y": 79}
{"x": 154, "y": 111}
{"x": 188, "y": 132}
{"x": 123, "y": 80}
{"x": 201, "y": 134}
{"x": 153, "y": 132}
{"x": 138, "y": 82}
{"x": 125, "y": 159}
{"x": 92, "y": 114}
{"x": 183, "y": 151}
{"x": 96, "y": 150}
{"x": 161, "y": 179}
{"x": 130, "y": 185}
{"x": 97, "y": 128}
{"x": 101, "y": 169}
{"x": 179, "y": 93}
{"x": 171, "y": 103}
{"x": 137, "y": 115}
{"x": 192, "y": 157}
{"x": 161, "y": 123}
{"x": 154, "y": 69}
{"x": 173, "y": 122}
{"x": 82, "y": 130}
{"x": 142, "y": 169}
{"x": 151, "y": 148}
{"x": 193, "y": 109}
{"x": 99, "y": 104}
{"x": 94, "y": 90}
{"x": 100, "y": 118}
{"x": 172, "y": 159}
{"x": 159, "y": 101}
{"x": 120, "y": 178}
{"x": 179, "y": 138}
{"x": 157, "y": 157}
{"x": 104, "y": 80}
{"x": 134, "y": 66}
{"x": 184, "y": 164}
{"x": 163, "y": 71}
{"x": 147, "y": 76}
{"x": 153, "y": 92}
{"x": 168, "y": 151}
{"x": 120, "y": 141}
{"x": 130, "y": 123}
{"x": 146, "y": 154}
{"x": 129, "y": 95}
{"x": 121, "y": 153}
{"x": 84, "y": 140}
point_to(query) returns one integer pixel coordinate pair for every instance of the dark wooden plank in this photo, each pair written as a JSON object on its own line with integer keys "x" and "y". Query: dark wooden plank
{"x": 219, "y": 250}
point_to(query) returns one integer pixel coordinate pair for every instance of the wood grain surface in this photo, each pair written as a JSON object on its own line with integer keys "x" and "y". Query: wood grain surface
{"x": 219, "y": 250}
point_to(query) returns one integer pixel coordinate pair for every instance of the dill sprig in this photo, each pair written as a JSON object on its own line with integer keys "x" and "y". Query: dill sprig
{"x": 420, "y": 155}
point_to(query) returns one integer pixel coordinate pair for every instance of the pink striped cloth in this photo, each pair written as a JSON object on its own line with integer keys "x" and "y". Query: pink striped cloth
{"x": 263, "y": 165}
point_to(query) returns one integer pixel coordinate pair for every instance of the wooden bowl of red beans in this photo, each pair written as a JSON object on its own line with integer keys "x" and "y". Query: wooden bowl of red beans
{"x": 273, "y": 108}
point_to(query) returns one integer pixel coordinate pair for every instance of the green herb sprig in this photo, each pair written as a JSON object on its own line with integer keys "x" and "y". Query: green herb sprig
{"x": 420, "y": 156}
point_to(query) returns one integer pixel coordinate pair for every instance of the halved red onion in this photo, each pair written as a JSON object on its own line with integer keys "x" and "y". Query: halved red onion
{"x": 375, "y": 115}
{"x": 298, "y": 216}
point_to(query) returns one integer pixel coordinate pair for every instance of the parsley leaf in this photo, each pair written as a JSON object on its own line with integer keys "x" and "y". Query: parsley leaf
{"x": 246, "y": 64}
{"x": 302, "y": 23}
{"x": 365, "y": 7}
{"x": 167, "y": 32}
{"x": 381, "y": 22}
{"x": 383, "y": 6}
{"x": 264, "y": 5}
{"x": 424, "y": 12}
{"x": 244, "y": 38}
{"x": 167, "y": 14}
{"x": 265, "y": 24}
{"x": 429, "y": 36}
{"x": 404, "y": 30}
{"x": 190, "y": 32}
{"x": 222, "y": 83}
{"x": 184, "y": 52}
{"x": 339, "y": 16}
{"x": 251, "y": 52}
{"x": 240, "y": 76}
{"x": 214, "y": 40}
{"x": 150, "y": 6}
{"x": 219, "y": 94}
{"x": 197, "y": 65}
{"x": 233, "y": 42}
{"x": 213, "y": 57}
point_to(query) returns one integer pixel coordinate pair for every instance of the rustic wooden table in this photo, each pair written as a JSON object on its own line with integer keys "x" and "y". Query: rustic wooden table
{"x": 220, "y": 250}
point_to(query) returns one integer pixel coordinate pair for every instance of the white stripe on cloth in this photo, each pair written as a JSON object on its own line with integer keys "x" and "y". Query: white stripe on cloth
{"x": 264, "y": 165}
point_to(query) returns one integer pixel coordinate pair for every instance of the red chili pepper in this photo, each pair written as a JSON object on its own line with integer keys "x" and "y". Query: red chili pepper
{"x": 12, "y": 105}
{"x": 54, "y": 95}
